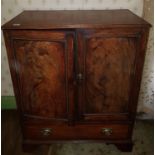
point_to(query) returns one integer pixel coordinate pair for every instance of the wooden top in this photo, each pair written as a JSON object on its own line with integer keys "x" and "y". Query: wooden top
{"x": 74, "y": 19}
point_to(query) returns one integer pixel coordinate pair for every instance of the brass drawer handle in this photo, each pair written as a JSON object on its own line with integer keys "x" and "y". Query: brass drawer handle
{"x": 46, "y": 131}
{"x": 106, "y": 131}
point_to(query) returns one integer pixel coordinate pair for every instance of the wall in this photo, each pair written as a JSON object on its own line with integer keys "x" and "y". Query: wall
{"x": 146, "y": 102}
{"x": 10, "y": 8}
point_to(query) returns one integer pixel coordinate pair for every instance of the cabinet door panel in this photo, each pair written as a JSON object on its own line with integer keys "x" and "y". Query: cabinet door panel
{"x": 44, "y": 69}
{"x": 107, "y": 65}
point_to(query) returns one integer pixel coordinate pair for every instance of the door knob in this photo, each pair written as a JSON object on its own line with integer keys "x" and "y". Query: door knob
{"x": 80, "y": 76}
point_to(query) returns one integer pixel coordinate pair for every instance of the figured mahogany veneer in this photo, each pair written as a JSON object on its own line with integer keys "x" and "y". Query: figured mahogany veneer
{"x": 76, "y": 74}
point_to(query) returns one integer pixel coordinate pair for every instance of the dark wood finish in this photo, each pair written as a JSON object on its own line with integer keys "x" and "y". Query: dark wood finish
{"x": 9, "y": 126}
{"x": 11, "y": 138}
{"x": 75, "y": 19}
{"x": 107, "y": 74}
{"x": 29, "y": 148}
{"x": 76, "y": 73}
{"x": 44, "y": 69}
{"x": 43, "y": 76}
{"x": 78, "y": 132}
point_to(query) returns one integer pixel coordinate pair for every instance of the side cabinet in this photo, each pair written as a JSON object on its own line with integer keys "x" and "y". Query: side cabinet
{"x": 76, "y": 82}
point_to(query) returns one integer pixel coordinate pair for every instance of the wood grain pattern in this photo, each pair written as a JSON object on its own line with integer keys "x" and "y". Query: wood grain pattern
{"x": 106, "y": 72}
{"x": 76, "y": 72}
{"x": 75, "y": 19}
{"x": 44, "y": 69}
{"x": 42, "y": 73}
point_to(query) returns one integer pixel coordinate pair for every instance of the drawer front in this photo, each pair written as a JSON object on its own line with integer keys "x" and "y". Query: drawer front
{"x": 78, "y": 132}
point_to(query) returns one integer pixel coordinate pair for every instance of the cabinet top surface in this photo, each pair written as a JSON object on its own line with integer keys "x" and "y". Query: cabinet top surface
{"x": 74, "y": 19}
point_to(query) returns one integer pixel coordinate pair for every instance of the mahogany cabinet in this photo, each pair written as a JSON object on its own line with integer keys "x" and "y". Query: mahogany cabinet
{"x": 76, "y": 74}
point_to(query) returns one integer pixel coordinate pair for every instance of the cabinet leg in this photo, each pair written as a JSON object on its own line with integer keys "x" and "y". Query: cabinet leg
{"x": 29, "y": 147}
{"x": 125, "y": 147}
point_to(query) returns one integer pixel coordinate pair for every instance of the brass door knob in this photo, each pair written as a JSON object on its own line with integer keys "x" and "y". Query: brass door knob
{"x": 106, "y": 131}
{"x": 46, "y": 131}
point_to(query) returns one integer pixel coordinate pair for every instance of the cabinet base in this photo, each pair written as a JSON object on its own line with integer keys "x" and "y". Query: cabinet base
{"x": 125, "y": 147}
{"x": 29, "y": 147}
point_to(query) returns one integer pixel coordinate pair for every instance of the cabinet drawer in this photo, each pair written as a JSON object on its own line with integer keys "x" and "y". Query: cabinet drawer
{"x": 78, "y": 132}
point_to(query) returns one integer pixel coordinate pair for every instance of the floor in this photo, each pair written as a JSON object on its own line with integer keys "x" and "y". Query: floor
{"x": 11, "y": 141}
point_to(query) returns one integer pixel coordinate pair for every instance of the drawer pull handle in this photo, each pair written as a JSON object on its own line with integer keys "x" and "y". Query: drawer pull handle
{"x": 106, "y": 131}
{"x": 46, "y": 131}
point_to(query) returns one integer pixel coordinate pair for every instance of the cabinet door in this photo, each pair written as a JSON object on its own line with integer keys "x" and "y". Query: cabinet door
{"x": 42, "y": 69}
{"x": 105, "y": 70}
